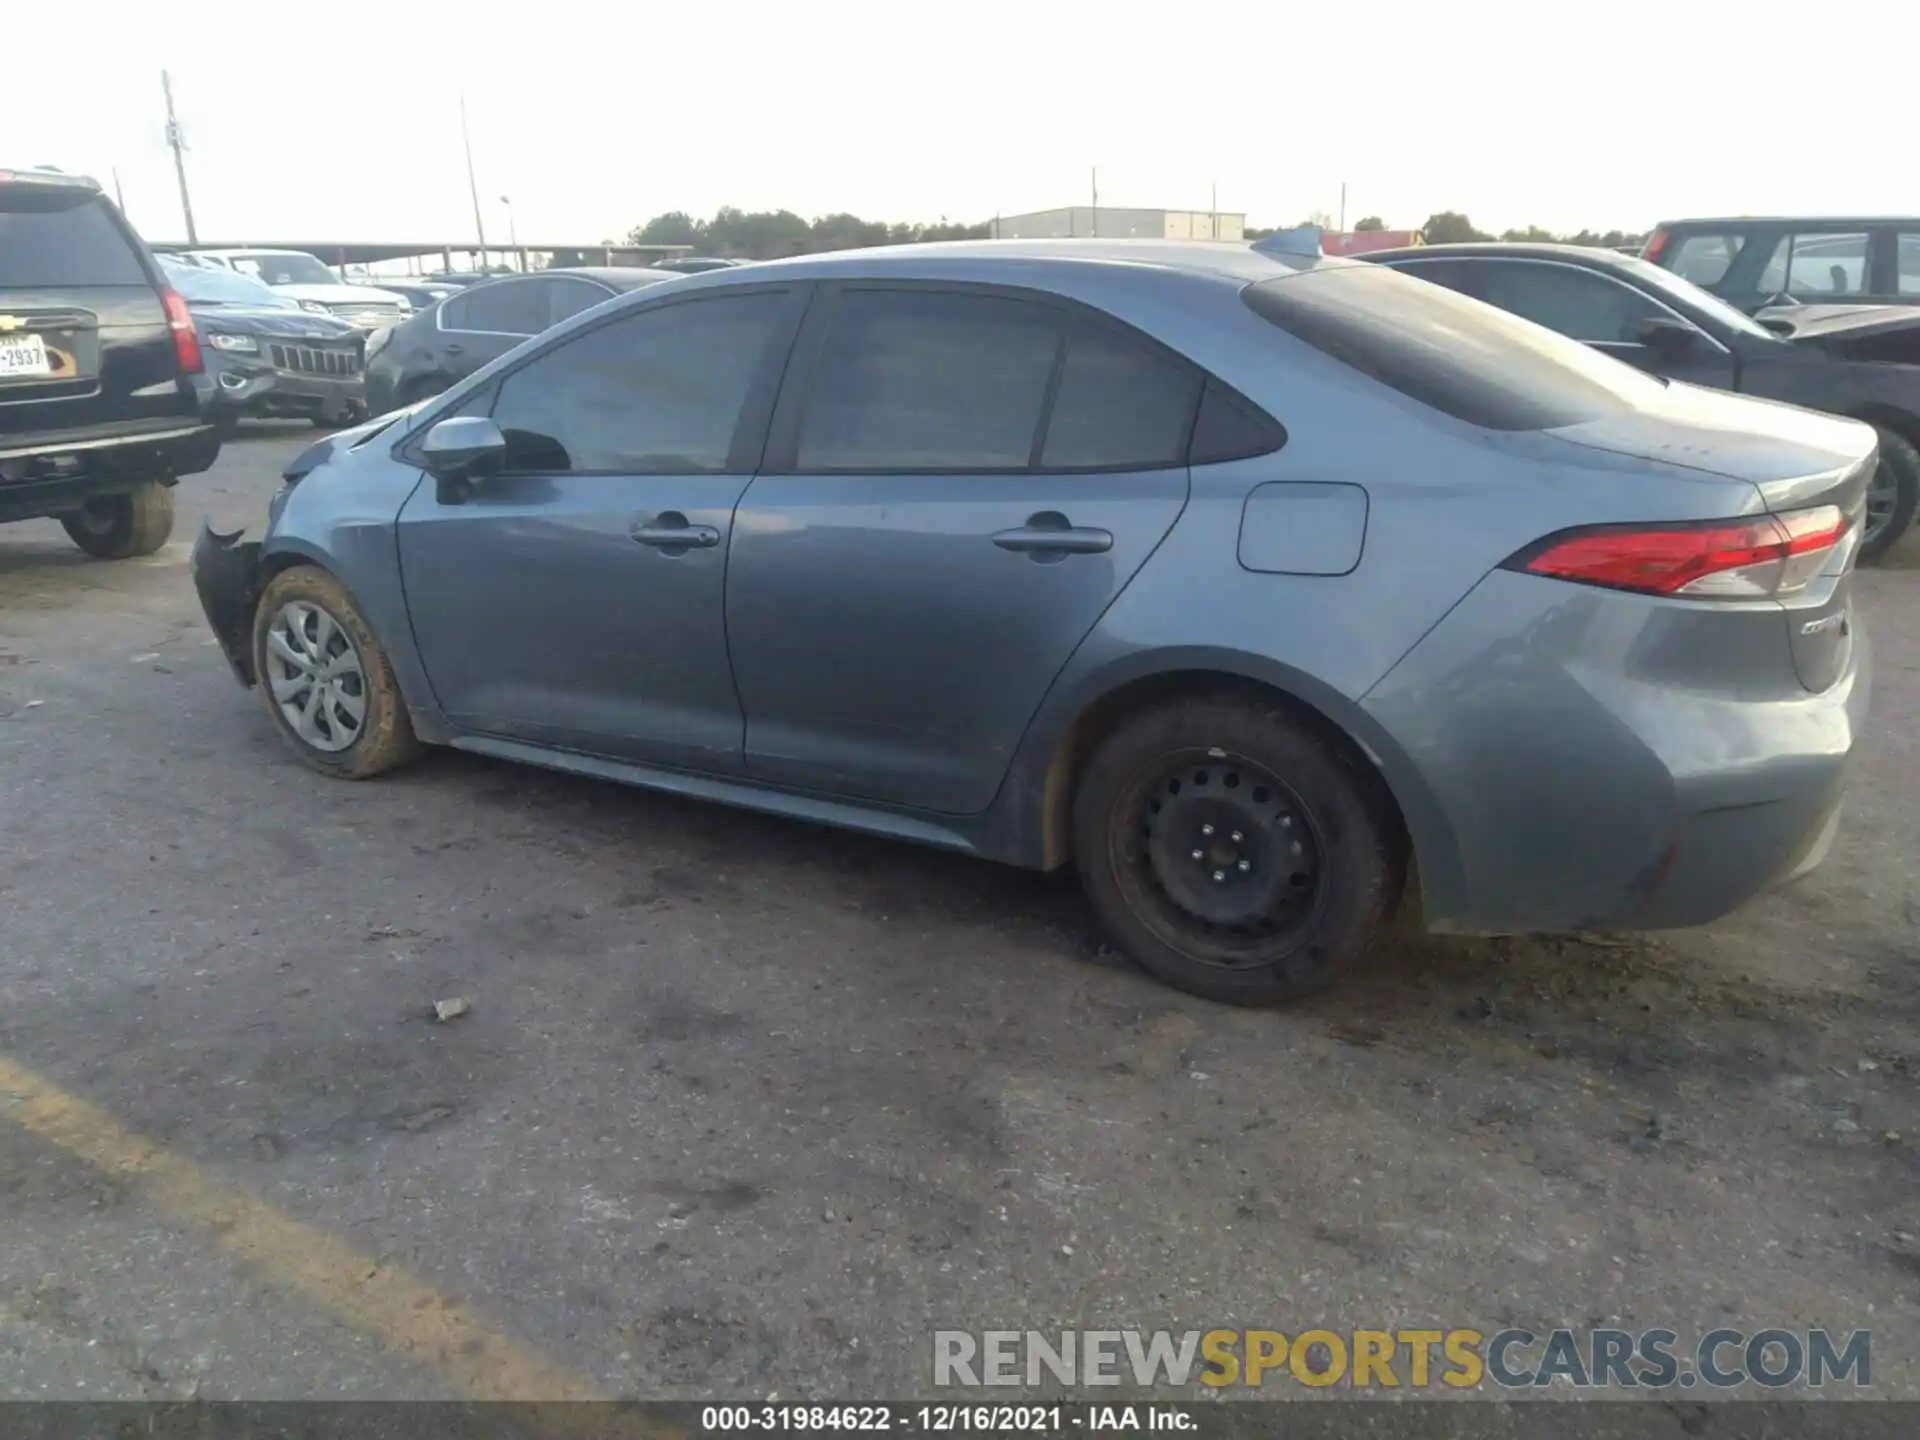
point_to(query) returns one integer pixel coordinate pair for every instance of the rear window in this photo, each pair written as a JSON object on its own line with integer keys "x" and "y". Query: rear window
{"x": 52, "y": 236}
{"x": 1455, "y": 355}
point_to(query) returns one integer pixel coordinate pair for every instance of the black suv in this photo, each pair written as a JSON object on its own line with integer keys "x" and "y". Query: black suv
{"x": 1757, "y": 261}
{"x": 102, "y": 389}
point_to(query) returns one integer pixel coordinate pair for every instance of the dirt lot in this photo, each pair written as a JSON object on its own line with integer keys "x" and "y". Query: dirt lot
{"x": 744, "y": 1107}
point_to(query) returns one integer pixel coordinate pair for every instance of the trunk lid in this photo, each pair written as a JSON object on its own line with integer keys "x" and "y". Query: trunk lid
{"x": 1796, "y": 460}
{"x": 84, "y": 340}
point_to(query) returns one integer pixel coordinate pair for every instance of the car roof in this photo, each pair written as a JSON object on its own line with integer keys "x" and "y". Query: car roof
{"x": 1738, "y": 220}
{"x": 620, "y": 277}
{"x": 1599, "y": 257}
{"x": 1003, "y": 260}
{"x": 46, "y": 175}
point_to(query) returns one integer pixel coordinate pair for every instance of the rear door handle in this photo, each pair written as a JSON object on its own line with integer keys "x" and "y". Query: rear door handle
{"x": 669, "y": 530}
{"x": 455, "y": 349}
{"x": 1050, "y": 534}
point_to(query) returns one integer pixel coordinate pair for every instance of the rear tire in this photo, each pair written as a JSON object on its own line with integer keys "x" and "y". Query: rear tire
{"x": 121, "y": 527}
{"x": 1898, "y": 480}
{"x": 1231, "y": 852}
{"x": 326, "y": 679}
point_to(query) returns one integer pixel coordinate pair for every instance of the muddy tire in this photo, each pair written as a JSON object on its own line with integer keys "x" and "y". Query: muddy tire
{"x": 120, "y": 527}
{"x": 1895, "y": 492}
{"x": 1231, "y": 852}
{"x": 326, "y": 679}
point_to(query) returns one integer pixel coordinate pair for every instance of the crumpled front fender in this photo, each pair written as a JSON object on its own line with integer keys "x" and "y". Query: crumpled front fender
{"x": 226, "y": 574}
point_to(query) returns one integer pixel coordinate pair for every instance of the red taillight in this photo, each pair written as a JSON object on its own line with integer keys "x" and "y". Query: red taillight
{"x": 1774, "y": 555}
{"x": 1656, "y": 243}
{"x": 186, "y": 342}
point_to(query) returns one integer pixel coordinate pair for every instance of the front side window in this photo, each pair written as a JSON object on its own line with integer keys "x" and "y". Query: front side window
{"x": 1578, "y": 303}
{"x": 1817, "y": 266}
{"x": 567, "y": 297}
{"x": 921, "y": 380}
{"x": 655, "y": 393}
{"x": 507, "y": 307}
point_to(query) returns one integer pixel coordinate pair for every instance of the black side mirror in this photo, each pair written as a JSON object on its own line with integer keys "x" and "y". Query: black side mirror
{"x": 1665, "y": 334}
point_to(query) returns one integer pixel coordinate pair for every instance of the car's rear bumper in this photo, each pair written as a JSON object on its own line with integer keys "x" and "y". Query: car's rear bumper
{"x": 1597, "y": 768}
{"x": 226, "y": 575}
{"x": 54, "y": 472}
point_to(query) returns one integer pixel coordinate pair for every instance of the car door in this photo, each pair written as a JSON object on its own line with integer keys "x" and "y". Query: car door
{"x": 479, "y": 325}
{"x": 576, "y": 598}
{"x": 959, "y": 482}
{"x": 1600, "y": 310}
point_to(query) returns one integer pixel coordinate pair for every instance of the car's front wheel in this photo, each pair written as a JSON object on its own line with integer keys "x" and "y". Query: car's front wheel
{"x": 1231, "y": 852}
{"x": 1891, "y": 495}
{"x": 120, "y": 527}
{"x": 326, "y": 679}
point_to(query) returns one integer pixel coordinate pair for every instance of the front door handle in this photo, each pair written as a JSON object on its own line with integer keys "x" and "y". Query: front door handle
{"x": 669, "y": 530}
{"x": 455, "y": 349}
{"x": 1050, "y": 535}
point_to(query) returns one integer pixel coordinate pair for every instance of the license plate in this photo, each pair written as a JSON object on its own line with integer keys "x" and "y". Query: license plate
{"x": 23, "y": 355}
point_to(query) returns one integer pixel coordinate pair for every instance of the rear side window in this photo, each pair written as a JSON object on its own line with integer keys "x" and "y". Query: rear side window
{"x": 1455, "y": 355}
{"x": 52, "y": 236}
{"x": 1817, "y": 265}
{"x": 922, "y": 380}
{"x": 1119, "y": 406}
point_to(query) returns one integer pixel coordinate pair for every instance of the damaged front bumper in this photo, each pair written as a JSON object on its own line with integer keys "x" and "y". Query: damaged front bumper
{"x": 226, "y": 574}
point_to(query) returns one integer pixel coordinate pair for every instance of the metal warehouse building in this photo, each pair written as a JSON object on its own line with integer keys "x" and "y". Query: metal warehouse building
{"x": 1112, "y": 223}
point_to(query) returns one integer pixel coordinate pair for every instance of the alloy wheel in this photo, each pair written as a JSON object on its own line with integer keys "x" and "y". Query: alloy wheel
{"x": 1883, "y": 495}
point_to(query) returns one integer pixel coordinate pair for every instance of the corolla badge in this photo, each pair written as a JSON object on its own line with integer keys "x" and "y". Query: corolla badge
{"x": 1826, "y": 623}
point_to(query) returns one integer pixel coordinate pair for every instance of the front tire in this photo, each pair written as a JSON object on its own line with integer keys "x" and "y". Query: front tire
{"x": 1231, "y": 852}
{"x": 1892, "y": 495}
{"x": 121, "y": 527}
{"x": 326, "y": 680}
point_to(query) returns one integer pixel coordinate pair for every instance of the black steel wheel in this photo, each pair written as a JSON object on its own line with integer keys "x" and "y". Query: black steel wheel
{"x": 1233, "y": 853}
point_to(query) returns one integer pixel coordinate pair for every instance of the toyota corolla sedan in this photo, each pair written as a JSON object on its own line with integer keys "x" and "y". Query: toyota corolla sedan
{"x": 1268, "y": 590}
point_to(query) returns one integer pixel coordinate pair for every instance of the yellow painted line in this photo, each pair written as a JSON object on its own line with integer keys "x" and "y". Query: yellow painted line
{"x": 379, "y": 1300}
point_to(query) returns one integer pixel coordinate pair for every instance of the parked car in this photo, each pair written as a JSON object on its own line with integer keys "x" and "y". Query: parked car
{"x": 1752, "y": 262}
{"x": 694, "y": 264}
{"x": 419, "y": 294}
{"x": 303, "y": 278}
{"x": 269, "y": 358}
{"x": 467, "y": 330}
{"x": 1861, "y": 363}
{"x": 102, "y": 383}
{"x": 1248, "y": 582}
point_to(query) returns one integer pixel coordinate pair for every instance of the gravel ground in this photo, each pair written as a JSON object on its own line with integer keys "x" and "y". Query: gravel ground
{"x": 743, "y": 1106}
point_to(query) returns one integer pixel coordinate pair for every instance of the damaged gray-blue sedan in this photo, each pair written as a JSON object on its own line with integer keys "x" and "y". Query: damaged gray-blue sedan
{"x": 1275, "y": 593}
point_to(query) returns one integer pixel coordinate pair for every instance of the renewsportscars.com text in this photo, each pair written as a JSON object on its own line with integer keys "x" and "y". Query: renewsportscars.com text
{"x": 1771, "y": 1358}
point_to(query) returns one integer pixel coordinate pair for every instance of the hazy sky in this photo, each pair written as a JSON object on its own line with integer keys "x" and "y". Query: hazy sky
{"x": 305, "y": 122}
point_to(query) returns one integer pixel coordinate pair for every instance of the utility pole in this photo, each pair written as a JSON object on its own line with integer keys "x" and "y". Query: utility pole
{"x": 1213, "y": 223}
{"x": 177, "y": 140}
{"x": 1343, "y": 207}
{"x": 513, "y": 231}
{"x": 119, "y": 195}
{"x": 1096, "y": 201}
{"x": 479, "y": 225}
